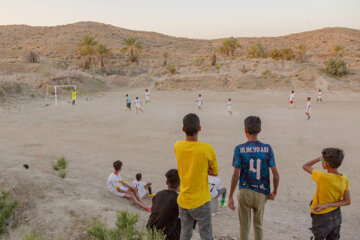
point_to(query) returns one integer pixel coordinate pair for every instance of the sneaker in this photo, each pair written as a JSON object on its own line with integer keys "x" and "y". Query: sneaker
{"x": 151, "y": 195}
{"x": 224, "y": 205}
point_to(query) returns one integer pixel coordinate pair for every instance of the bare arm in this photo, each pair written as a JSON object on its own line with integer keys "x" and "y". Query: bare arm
{"x": 234, "y": 181}
{"x": 344, "y": 202}
{"x": 276, "y": 179}
{"x": 308, "y": 166}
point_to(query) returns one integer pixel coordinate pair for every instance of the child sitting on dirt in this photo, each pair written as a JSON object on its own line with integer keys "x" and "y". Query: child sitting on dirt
{"x": 119, "y": 188}
{"x": 215, "y": 190}
{"x": 332, "y": 192}
{"x": 165, "y": 210}
{"x": 142, "y": 186}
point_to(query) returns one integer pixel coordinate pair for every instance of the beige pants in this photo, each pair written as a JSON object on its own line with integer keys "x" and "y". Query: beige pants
{"x": 251, "y": 200}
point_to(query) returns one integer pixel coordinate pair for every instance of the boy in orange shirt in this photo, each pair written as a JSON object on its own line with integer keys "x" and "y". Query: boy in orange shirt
{"x": 194, "y": 159}
{"x": 332, "y": 192}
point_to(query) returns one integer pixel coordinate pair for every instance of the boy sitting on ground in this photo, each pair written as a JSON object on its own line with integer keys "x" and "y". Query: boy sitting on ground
{"x": 119, "y": 188}
{"x": 215, "y": 190}
{"x": 142, "y": 186}
{"x": 332, "y": 192}
{"x": 165, "y": 210}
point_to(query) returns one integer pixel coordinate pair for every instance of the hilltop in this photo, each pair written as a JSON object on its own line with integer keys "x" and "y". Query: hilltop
{"x": 190, "y": 58}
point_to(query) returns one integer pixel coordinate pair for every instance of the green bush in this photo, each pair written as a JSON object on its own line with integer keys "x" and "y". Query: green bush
{"x": 257, "y": 51}
{"x": 60, "y": 166}
{"x": 34, "y": 236}
{"x": 275, "y": 54}
{"x": 335, "y": 67}
{"x": 7, "y": 208}
{"x": 287, "y": 54}
{"x": 124, "y": 229}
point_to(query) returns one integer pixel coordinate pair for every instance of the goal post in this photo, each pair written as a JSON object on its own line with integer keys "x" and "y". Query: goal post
{"x": 56, "y": 87}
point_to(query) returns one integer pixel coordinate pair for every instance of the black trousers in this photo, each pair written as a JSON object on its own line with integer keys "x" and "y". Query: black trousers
{"x": 326, "y": 226}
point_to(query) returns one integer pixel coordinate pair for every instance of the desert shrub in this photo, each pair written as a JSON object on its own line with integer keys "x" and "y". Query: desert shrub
{"x": 301, "y": 52}
{"x": 257, "y": 51}
{"x": 337, "y": 50}
{"x": 287, "y": 54}
{"x": 275, "y": 54}
{"x": 172, "y": 69}
{"x": 34, "y": 236}
{"x": 335, "y": 67}
{"x": 60, "y": 166}
{"x": 125, "y": 229}
{"x": 32, "y": 95}
{"x": 7, "y": 208}
{"x": 199, "y": 61}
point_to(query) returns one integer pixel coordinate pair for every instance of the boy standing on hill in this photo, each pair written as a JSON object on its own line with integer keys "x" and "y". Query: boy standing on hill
{"x": 165, "y": 210}
{"x": 199, "y": 102}
{"x": 195, "y": 159}
{"x": 332, "y": 192}
{"x": 252, "y": 162}
{"x": 147, "y": 97}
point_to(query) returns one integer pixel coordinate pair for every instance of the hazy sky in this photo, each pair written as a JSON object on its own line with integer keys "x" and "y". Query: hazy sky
{"x": 186, "y": 18}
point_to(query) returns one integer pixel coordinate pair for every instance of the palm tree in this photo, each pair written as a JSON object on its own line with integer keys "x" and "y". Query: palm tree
{"x": 132, "y": 47}
{"x": 87, "y": 49}
{"x": 229, "y": 46}
{"x": 165, "y": 55}
{"x": 337, "y": 49}
{"x": 102, "y": 52}
{"x": 301, "y": 52}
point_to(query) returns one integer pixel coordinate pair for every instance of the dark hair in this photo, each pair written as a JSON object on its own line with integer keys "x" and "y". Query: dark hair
{"x": 199, "y": 95}
{"x": 308, "y": 98}
{"x": 146, "y": 90}
{"x": 127, "y": 95}
{"x": 191, "y": 124}
{"x": 117, "y": 165}
{"x": 229, "y": 99}
{"x": 137, "y": 98}
{"x": 138, "y": 176}
{"x": 252, "y": 125}
{"x": 333, "y": 156}
{"x": 172, "y": 177}
{"x": 292, "y": 91}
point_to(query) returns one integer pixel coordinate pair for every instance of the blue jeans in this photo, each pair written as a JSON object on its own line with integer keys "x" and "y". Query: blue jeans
{"x": 202, "y": 215}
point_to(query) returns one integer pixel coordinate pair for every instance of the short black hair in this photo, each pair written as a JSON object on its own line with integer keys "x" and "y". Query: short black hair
{"x": 138, "y": 176}
{"x": 308, "y": 98}
{"x": 292, "y": 91}
{"x": 333, "y": 156}
{"x": 173, "y": 179}
{"x": 191, "y": 123}
{"x": 252, "y": 125}
{"x": 127, "y": 95}
{"x": 117, "y": 165}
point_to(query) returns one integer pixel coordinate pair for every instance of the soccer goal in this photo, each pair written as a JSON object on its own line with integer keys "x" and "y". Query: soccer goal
{"x": 55, "y": 90}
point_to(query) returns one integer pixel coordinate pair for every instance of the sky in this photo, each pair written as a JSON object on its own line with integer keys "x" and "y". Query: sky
{"x": 201, "y": 19}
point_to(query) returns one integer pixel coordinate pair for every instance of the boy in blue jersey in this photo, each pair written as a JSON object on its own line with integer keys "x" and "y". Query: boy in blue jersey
{"x": 252, "y": 162}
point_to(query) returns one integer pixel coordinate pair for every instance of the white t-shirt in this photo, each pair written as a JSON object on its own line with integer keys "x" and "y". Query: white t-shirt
{"x": 320, "y": 94}
{"x": 147, "y": 94}
{"x": 199, "y": 101}
{"x": 292, "y": 97}
{"x": 214, "y": 185}
{"x": 229, "y": 104}
{"x": 138, "y": 103}
{"x": 114, "y": 182}
{"x": 140, "y": 186}
{"x": 308, "y": 107}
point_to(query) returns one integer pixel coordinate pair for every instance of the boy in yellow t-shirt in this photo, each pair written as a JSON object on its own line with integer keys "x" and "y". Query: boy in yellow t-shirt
{"x": 195, "y": 159}
{"x": 332, "y": 192}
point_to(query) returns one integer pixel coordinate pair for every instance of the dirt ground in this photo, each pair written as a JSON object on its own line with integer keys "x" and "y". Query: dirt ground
{"x": 92, "y": 134}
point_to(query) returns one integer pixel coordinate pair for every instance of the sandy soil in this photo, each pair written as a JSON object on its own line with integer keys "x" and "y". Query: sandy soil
{"x": 92, "y": 134}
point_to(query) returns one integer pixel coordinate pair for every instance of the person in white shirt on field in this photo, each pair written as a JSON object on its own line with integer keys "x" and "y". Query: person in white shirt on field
{"x": 147, "y": 97}
{"x": 142, "y": 187}
{"x": 292, "y": 99}
{"x": 119, "y": 188}
{"x": 138, "y": 105}
{"x": 215, "y": 190}
{"x": 229, "y": 106}
{"x": 199, "y": 102}
{"x": 308, "y": 108}
{"x": 319, "y": 98}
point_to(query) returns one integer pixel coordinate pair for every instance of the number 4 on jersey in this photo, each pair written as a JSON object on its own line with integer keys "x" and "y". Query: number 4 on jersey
{"x": 256, "y": 169}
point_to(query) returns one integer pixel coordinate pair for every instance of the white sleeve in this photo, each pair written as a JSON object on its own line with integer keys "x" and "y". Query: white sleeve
{"x": 218, "y": 184}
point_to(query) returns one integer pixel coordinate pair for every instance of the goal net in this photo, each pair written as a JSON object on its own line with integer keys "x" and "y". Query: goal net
{"x": 56, "y": 91}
